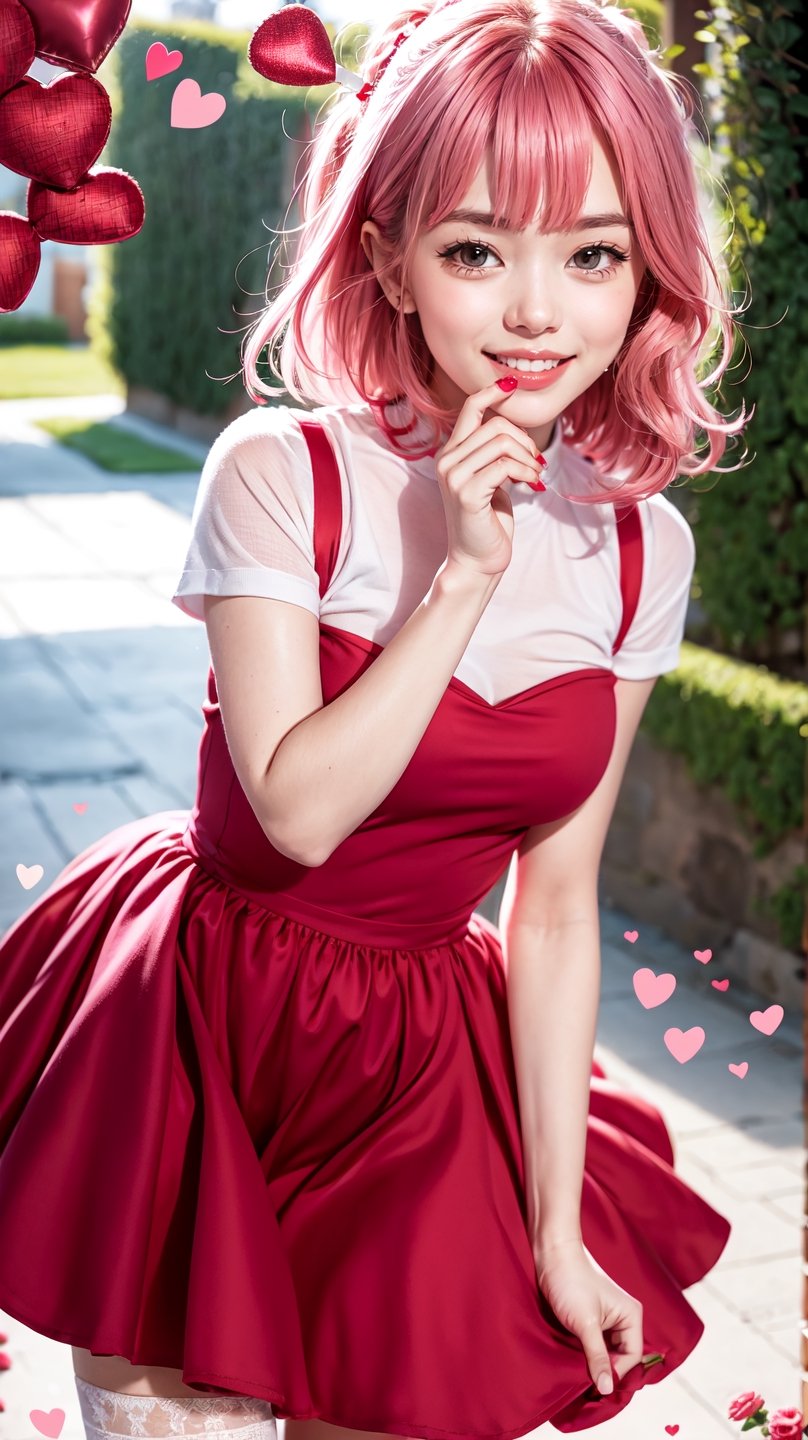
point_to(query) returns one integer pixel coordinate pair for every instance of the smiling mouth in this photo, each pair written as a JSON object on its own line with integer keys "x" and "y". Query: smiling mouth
{"x": 531, "y": 367}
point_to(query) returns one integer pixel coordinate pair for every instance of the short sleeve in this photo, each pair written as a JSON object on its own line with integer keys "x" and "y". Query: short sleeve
{"x": 253, "y": 518}
{"x": 652, "y": 642}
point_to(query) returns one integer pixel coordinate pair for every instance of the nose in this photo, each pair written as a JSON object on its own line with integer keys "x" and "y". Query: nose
{"x": 533, "y": 309}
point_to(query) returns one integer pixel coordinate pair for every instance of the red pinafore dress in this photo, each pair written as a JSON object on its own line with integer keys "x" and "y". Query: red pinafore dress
{"x": 259, "y": 1121}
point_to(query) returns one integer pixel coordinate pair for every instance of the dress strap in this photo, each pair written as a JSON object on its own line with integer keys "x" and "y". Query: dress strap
{"x": 327, "y": 500}
{"x": 629, "y": 534}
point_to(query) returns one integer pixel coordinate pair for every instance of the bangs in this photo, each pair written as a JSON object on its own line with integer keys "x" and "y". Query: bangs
{"x": 529, "y": 124}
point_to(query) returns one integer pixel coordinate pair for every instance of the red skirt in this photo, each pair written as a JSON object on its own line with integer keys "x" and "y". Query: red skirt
{"x": 289, "y": 1165}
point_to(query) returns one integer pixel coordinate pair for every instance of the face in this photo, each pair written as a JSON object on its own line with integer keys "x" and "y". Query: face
{"x": 479, "y": 291}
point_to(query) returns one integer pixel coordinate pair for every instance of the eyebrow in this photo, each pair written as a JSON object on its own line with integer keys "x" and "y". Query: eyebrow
{"x": 584, "y": 222}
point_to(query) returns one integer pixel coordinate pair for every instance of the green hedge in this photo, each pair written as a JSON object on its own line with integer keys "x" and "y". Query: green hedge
{"x": 742, "y": 728}
{"x": 173, "y": 302}
{"x": 33, "y": 330}
{"x": 751, "y": 526}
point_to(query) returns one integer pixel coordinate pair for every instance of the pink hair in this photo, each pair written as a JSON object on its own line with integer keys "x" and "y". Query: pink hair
{"x": 528, "y": 83}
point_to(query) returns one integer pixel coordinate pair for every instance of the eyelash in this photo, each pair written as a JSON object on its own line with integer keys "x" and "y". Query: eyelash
{"x": 619, "y": 255}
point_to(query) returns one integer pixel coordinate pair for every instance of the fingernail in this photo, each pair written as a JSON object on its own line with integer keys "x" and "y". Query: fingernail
{"x": 536, "y": 485}
{"x": 508, "y": 382}
{"x": 605, "y": 1384}
{"x": 541, "y": 458}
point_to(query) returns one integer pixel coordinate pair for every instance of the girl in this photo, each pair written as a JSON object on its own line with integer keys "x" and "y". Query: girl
{"x": 287, "y": 1128}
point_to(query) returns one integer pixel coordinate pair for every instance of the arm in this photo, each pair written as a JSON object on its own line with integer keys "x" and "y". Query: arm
{"x": 312, "y": 772}
{"x": 551, "y": 943}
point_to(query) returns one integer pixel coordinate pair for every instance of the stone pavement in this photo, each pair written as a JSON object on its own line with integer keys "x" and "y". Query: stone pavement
{"x": 103, "y": 680}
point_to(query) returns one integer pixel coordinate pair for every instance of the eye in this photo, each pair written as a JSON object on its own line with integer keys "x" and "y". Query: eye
{"x": 452, "y": 250}
{"x": 620, "y": 256}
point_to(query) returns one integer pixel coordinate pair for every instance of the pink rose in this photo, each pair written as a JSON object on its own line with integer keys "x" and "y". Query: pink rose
{"x": 785, "y": 1425}
{"x": 744, "y": 1405}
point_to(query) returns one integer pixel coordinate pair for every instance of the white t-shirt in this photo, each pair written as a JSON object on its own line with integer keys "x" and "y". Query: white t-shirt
{"x": 556, "y": 608}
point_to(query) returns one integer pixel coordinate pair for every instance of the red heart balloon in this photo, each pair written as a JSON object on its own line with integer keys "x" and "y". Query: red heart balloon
{"x": 19, "y": 259}
{"x": 17, "y": 42}
{"x": 107, "y": 206}
{"x": 292, "y": 47}
{"x": 78, "y": 35}
{"x": 54, "y": 133}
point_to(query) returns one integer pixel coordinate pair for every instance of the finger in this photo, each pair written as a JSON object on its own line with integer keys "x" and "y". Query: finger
{"x": 627, "y": 1341}
{"x": 500, "y": 447}
{"x": 474, "y": 408}
{"x": 597, "y": 1358}
{"x": 487, "y": 442}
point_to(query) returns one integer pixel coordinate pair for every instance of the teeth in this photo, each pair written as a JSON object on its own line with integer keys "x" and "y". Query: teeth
{"x": 536, "y": 365}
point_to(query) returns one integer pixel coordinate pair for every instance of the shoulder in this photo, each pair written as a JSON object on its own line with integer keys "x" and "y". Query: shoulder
{"x": 268, "y": 429}
{"x": 670, "y": 540}
{"x": 266, "y": 447}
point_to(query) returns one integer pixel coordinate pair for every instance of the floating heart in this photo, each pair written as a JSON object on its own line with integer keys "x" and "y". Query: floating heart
{"x": 80, "y": 806}
{"x": 703, "y": 956}
{"x": 671, "y": 1429}
{"x": 17, "y": 43}
{"x": 54, "y": 133}
{"x": 740, "y": 1070}
{"x": 651, "y": 989}
{"x": 20, "y": 254}
{"x": 767, "y": 1021}
{"x": 106, "y": 207}
{"x": 684, "y": 1044}
{"x": 47, "y": 1422}
{"x": 77, "y": 36}
{"x": 292, "y": 47}
{"x": 720, "y": 984}
{"x": 160, "y": 61}
{"x": 29, "y": 875}
{"x": 191, "y": 110}
{"x": 630, "y": 935}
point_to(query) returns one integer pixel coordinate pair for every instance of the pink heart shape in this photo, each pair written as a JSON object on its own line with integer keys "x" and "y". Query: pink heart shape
{"x": 292, "y": 47}
{"x": 630, "y": 935}
{"x": 78, "y": 36}
{"x": 767, "y": 1021}
{"x": 29, "y": 875}
{"x": 684, "y": 1044}
{"x": 703, "y": 956}
{"x": 740, "y": 1070}
{"x": 191, "y": 110}
{"x": 80, "y": 806}
{"x": 160, "y": 61}
{"x": 54, "y": 133}
{"x": 17, "y": 43}
{"x": 20, "y": 256}
{"x": 720, "y": 984}
{"x": 47, "y": 1422}
{"x": 652, "y": 989}
{"x": 672, "y": 1429}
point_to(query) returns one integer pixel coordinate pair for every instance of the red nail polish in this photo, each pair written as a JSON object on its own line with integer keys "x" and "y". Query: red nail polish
{"x": 508, "y": 382}
{"x": 541, "y": 459}
{"x": 539, "y": 485}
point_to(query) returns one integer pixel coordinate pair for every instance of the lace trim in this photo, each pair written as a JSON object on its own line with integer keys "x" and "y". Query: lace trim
{"x": 111, "y": 1412}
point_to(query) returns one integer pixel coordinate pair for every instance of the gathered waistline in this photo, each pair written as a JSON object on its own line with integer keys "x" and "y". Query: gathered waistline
{"x": 358, "y": 930}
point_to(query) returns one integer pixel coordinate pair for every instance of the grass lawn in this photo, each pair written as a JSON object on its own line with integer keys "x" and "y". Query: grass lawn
{"x": 30, "y": 371}
{"x": 114, "y": 448}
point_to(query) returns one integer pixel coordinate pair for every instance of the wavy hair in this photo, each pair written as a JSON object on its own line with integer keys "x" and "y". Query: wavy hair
{"x": 526, "y": 83}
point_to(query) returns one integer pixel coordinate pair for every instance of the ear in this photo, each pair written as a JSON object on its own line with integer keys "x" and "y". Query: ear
{"x": 378, "y": 251}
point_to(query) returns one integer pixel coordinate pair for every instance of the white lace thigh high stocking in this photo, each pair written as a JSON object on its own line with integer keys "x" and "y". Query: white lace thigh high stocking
{"x": 107, "y": 1414}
